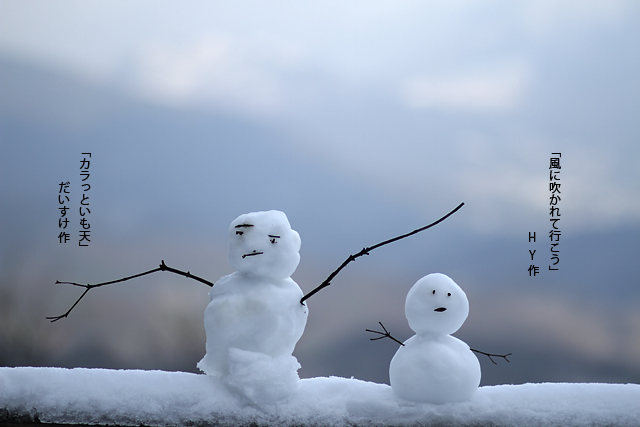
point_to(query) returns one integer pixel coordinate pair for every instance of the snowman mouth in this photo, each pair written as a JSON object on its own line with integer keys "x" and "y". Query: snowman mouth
{"x": 252, "y": 254}
{"x": 440, "y": 309}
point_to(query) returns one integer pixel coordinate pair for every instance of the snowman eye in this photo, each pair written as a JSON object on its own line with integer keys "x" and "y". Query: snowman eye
{"x": 273, "y": 238}
{"x": 449, "y": 294}
{"x": 434, "y": 292}
{"x": 240, "y": 233}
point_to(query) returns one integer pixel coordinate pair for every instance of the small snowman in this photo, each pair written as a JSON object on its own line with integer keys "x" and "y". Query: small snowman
{"x": 432, "y": 366}
{"x": 254, "y": 318}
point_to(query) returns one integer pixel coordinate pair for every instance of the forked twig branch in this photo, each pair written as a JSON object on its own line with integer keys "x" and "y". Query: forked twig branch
{"x": 385, "y": 334}
{"x": 490, "y": 355}
{"x": 164, "y": 267}
{"x": 365, "y": 251}
{"x": 88, "y": 287}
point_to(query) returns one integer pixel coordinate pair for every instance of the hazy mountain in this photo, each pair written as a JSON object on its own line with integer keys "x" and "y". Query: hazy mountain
{"x": 166, "y": 182}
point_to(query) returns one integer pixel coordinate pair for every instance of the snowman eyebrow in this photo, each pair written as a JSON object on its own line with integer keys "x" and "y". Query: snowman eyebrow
{"x": 271, "y": 235}
{"x": 239, "y": 233}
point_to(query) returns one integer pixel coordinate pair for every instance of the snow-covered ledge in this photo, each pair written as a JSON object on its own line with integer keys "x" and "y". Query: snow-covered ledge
{"x": 127, "y": 397}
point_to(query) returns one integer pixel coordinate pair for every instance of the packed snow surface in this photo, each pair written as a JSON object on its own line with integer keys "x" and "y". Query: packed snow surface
{"x": 125, "y": 397}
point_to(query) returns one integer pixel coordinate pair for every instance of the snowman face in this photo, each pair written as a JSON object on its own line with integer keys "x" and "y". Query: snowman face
{"x": 435, "y": 304}
{"x": 263, "y": 244}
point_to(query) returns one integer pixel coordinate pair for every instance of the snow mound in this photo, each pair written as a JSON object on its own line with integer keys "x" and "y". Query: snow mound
{"x": 128, "y": 397}
{"x": 262, "y": 378}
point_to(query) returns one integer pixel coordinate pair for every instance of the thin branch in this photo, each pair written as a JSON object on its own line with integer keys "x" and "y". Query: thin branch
{"x": 490, "y": 355}
{"x": 365, "y": 251}
{"x": 387, "y": 334}
{"x": 88, "y": 287}
{"x": 384, "y": 334}
{"x": 165, "y": 267}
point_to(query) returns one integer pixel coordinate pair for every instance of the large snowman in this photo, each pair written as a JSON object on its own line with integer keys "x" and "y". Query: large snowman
{"x": 432, "y": 366}
{"x": 254, "y": 318}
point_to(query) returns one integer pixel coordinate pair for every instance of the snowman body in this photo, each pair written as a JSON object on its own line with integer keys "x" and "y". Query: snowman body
{"x": 254, "y": 318}
{"x": 252, "y": 314}
{"x": 432, "y": 366}
{"x": 444, "y": 370}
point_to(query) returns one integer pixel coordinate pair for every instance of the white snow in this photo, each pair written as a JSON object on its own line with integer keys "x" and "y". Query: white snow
{"x": 432, "y": 366}
{"x": 262, "y": 378}
{"x": 263, "y": 244}
{"x": 254, "y": 318}
{"x": 99, "y": 396}
{"x": 436, "y": 304}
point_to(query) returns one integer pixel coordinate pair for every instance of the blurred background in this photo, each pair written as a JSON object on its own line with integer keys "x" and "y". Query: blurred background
{"x": 361, "y": 121}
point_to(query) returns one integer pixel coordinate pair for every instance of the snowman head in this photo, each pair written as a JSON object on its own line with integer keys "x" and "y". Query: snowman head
{"x": 264, "y": 245}
{"x": 435, "y": 304}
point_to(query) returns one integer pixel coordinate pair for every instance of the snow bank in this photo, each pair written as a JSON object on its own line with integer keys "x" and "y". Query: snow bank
{"x": 100, "y": 396}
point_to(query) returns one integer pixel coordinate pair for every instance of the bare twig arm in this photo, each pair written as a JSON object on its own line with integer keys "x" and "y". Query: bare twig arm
{"x": 165, "y": 267}
{"x": 365, "y": 251}
{"x": 88, "y": 287}
{"x": 385, "y": 334}
{"x": 490, "y": 355}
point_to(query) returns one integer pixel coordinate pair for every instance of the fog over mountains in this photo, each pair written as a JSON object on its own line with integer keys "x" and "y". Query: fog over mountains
{"x": 165, "y": 184}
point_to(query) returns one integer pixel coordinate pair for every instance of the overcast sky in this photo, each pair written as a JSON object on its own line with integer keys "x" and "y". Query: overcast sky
{"x": 471, "y": 97}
